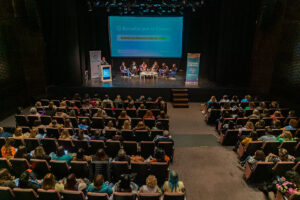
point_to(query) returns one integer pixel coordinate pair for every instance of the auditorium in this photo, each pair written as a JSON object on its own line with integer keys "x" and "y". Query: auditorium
{"x": 149, "y": 99}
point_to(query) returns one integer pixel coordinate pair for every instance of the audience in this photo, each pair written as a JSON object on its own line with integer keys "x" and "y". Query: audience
{"x": 100, "y": 156}
{"x": 4, "y": 133}
{"x": 7, "y": 150}
{"x": 173, "y": 184}
{"x": 6, "y": 179}
{"x": 61, "y": 154}
{"x": 125, "y": 185}
{"x": 151, "y": 186}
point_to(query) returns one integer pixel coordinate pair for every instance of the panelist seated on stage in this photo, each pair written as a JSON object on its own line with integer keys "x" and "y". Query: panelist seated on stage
{"x": 133, "y": 68}
{"x": 103, "y": 61}
{"x": 173, "y": 70}
{"x": 124, "y": 70}
{"x": 163, "y": 70}
{"x": 155, "y": 67}
{"x": 143, "y": 67}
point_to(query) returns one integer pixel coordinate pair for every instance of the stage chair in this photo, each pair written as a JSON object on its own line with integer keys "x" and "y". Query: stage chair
{"x": 127, "y": 135}
{"x": 4, "y": 163}
{"x": 281, "y": 168}
{"x": 117, "y": 112}
{"x": 56, "y": 102}
{"x": 155, "y": 112}
{"x": 121, "y": 122}
{"x": 141, "y": 170}
{"x": 114, "y": 121}
{"x": 149, "y": 196}
{"x": 141, "y": 135}
{"x": 60, "y": 169}
{"x": 2, "y": 141}
{"x": 160, "y": 171}
{"x": 230, "y": 137}
{"x": 49, "y": 144}
{"x": 271, "y": 147}
{"x": 40, "y": 167}
{"x": 25, "y": 194}
{"x": 31, "y": 143}
{"x": 168, "y": 147}
{"x": 261, "y": 172}
{"x": 117, "y": 169}
{"x": 100, "y": 167}
{"x": 248, "y": 112}
{"x": 155, "y": 133}
{"x": 124, "y": 196}
{"x": 97, "y": 196}
{"x": 95, "y": 145}
{"x": 130, "y": 147}
{"x": 253, "y": 120}
{"x": 250, "y": 150}
{"x": 147, "y": 149}
{"x": 80, "y": 118}
{"x": 268, "y": 121}
{"x": 244, "y": 104}
{"x": 71, "y": 130}
{"x": 97, "y": 122}
{"x": 112, "y": 148}
{"x": 21, "y": 120}
{"x": 19, "y": 165}
{"x": 297, "y": 149}
{"x": 109, "y": 112}
{"x": 72, "y": 195}
{"x": 150, "y": 104}
{"x": 142, "y": 112}
{"x": 6, "y": 193}
{"x": 109, "y": 134}
{"x": 48, "y": 194}
{"x": 212, "y": 116}
{"x": 84, "y": 112}
{"x": 173, "y": 196}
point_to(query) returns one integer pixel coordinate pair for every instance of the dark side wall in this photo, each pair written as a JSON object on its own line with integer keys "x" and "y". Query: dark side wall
{"x": 22, "y": 72}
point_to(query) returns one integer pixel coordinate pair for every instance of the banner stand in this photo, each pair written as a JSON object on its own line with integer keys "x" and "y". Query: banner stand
{"x": 95, "y": 62}
{"x": 192, "y": 69}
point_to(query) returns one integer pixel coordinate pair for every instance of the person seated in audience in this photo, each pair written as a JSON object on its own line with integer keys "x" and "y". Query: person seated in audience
{"x": 49, "y": 183}
{"x": 276, "y": 124}
{"x": 140, "y": 108}
{"x": 63, "y": 104}
{"x": 283, "y": 156}
{"x": 98, "y": 135}
{"x": 235, "y": 99}
{"x": 209, "y": 103}
{"x": 100, "y": 156}
{"x": 151, "y": 186}
{"x": 259, "y": 155}
{"x": 162, "y": 115}
{"x": 60, "y": 113}
{"x": 141, "y": 99}
{"x": 285, "y": 136}
{"x": 109, "y": 127}
{"x": 39, "y": 153}
{"x": 130, "y": 106}
{"x": 149, "y": 99}
{"x": 159, "y": 156}
{"x": 54, "y": 124}
{"x": 163, "y": 70}
{"x": 100, "y": 113}
{"x": 248, "y": 126}
{"x": 229, "y": 125}
{"x": 274, "y": 105}
{"x": 293, "y": 124}
{"x": 143, "y": 67}
{"x": 141, "y": 126}
{"x": 134, "y": 69}
{"x": 125, "y": 185}
{"x": 123, "y": 115}
{"x": 18, "y": 133}
{"x": 287, "y": 185}
{"x": 61, "y": 154}
{"x": 158, "y": 126}
{"x": 247, "y": 98}
{"x": 173, "y": 184}
{"x": 118, "y": 101}
{"x": 27, "y": 180}
{"x": 38, "y": 104}
{"x": 80, "y": 156}
{"x": 22, "y": 153}
{"x": 268, "y": 136}
{"x": 65, "y": 135}
{"x": 68, "y": 123}
{"x": 240, "y": 113}
{"x": 77, "y": 97}
{"x": 276, "y": 114}
{"x": 255, "y": 114}
{"x": 51, "y": 109}
{"x": 33, "y": 112}
{"x": 128, "y": 99}
{"x": 6, "y": 179}
{"x": 252, "y": 137}
{"x": 83, "y": 125}
{"x": 265, "y": 113}
{"x": 158, "y": 99}
{"x": 82, "y": 135}
{"x": 74, "y": 106}
{"x": 126, "y": 125}
{"x": 166, "y": 137}
{"x": 34, "y": 133}
{"x": 4, "y": 133}
{"x": 262, "y": 105}
{"x": 107, "y": 102}
{"x": 103, "y": 61}
{"x": 72, "y": 183}
{"x": 124, "y": 69}
{"x": 225, "y": 99}
{"x": 99, "y": 186}
{"x": 260, "y": 124}
{"x": 251, "y": 106}
{"x": 148, "y": 115}
{"x": 122, "y": 156}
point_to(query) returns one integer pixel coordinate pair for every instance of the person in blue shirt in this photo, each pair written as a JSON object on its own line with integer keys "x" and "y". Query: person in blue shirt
{"x": 246, "y": 99}
{"x": 99, "y": 186}
{"x": 61, "y": 155}
{"x": 5, "y": 134}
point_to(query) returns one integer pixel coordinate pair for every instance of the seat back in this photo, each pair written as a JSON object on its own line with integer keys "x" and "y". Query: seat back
{"x": 124, "y": 196}
{"x": 142, "y": 135}
{"x": 25, "y": 194}
{"x": 6, "y": 193}
{"x": 173, "y": 196}
{"x": 97, "y": 196}
{"x": 48, "y": 195}
{"x": 127, "y": 135}
{"x": 4, "y": 163}
{"x": 131, "y": 112}
{"x": 31, "y": 119}
{"x": 45, "y": 119}
{"x": 97, "y": 122}
{"x": 117, "y": 169}
{"x": 95, "y": 145}
{"x": 59, "y": 168}
{"x": 155, "y": 133}
{"x": 112, "y": 148}
{"x": 67, "y": 144}
{"x": 72, "y": 195}
{"x": 19, "y": 165}
{"x": 2, "y": 141}
{"x": 149, "y": 196}
{"x": 135, "y": 121}
{"x": 295, "y": 196}
{"x": 168, "y": 147}
{"x": 281, "y": 167}
{"x": 230, "y": 137}
{"x": 31, "y": 143}
{"x": 261, "y": 172}
{"x": 40, "y": 167}
{"x": 80, "y": 168}
{"x": 147, "y": 148}
{"x": 17, "y": 142}
{"x": 149, "y": 122}
{"x": 109, "y": 134}
{"x": 21, "y": 120}
{"x": 160, "y": 171}
{"x": 60, "y": 120}
{"x": 253, "y": 146}
{"x": 271, "y": 147}
{"x": 84, "y": 144}
{"x": 130, "y": 147}
{"x": 289, "y": 146}
{"x": 141, "y": 170}
{"x": 100, "y": 167}
{"x": 276, "y": 132}
{"x": 49, "y": 145}
{"x": 52, "y": 133}
{"x": 74, "y": 121}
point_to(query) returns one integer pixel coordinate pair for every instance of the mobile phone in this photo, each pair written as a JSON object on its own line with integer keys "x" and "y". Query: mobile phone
{"x": 66, "y": 152}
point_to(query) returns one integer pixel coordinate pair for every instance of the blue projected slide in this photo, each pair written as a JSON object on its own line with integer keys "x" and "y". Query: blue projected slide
{"x": 146, "y": 36}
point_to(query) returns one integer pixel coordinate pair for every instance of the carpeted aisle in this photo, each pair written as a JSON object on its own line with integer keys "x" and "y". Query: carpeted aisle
{"x": 208, "y": 170}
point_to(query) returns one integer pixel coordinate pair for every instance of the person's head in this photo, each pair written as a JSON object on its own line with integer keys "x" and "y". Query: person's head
{"x": 249, "y": 125}
{"x": 251, "y": 105}
{"x": 163, "y": 64}
{"x": 274, "y": 104}
{"x": 97, "y": 133}
{"x": 71, "y": 182}
{"x": 123, "y": 63}
{"x": 144, "y": 63}
{"x": 21, "y": 153}
{"x": 39, "y": 152}
{"x": 65, "y": 134}
{"x": 18, "y": 132}
{"x": 256, "y": 112}
{"x": 80, "y": 135}
{"x": 49, "y": 182}
{"x": 33, "y": 132}
{"x": 277, "y": 113}
{"x": 80, "y": 154}
{"x": 159, "y": 125}
{"x": 155, "y": 63}
{"x": 67, "y": 123}
{"x": 235, "y": 98}
{"x": 149, "y": 113}
{"x": 151, "y": 181}
{"x": 122, "y": 155}
{"x": 118, "y": 97}
{"x": 53, "y": 122}
{"x": 101, "y": 155}
{"x": 110, "y": 124}
{"x": 292, "y": 176}
{"x": 126, "y": 125}
{"x": 142, "y": 106}
{"x": 213, "y": 99}
{"x": 33, "y": 111}
{"x": 248, "y": 97}
{"x": 225, "y": 97}
{"x": 162, "y": 114}
{"x": 260, "y": 124}
{"x": 160, "y": 155}
{"x": 140, "y": 124}
{"x": 106, "y": 97}
{"x": 266, "y": 111}
{"x": 103, "y": 58}
{"x": 9, "y": 143}
{"x": 60, "y": 151}
{"x": 84, "y": 122}
{"x": 123, "y": 114}
{"x": 259, "y": 155}
{"x": 292, "y": 113}
{"x": 38, "y": 104}
{"x": 268, "y": 131}
{"x": 287, "y": 135}
{"x": 125, "y": 183}
{"x": 133, "y": 63}
{"x": 99, "y": 113}
{"x": 262, "y": 105}
{"x": 166, "y": 133}
{"x": 174, "y": 65}
{"x": 98, "y": 181}
{"x": 5, "y": 175}
{"x": 277, "y": 124}
{"x": 226, "y": 105}
{"x": 173, "y": 180}
{"x": 293, "y": 123}
{"x": 283, "y": 154}
{"x": 1, "y": 129}
{"x": 254, "y": 135}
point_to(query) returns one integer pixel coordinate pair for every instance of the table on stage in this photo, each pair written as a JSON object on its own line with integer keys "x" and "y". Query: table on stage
{"x": 151, "y": 74}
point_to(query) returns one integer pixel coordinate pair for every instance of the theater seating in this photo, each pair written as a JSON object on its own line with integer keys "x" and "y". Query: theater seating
{"x": 72, "y": 195}
{"x": 97, "y": 196}
{"x": 25, "y": 194}
{"x": 149, "y": 196}
{"x": 48, "y": 195}
{"x": 124, "y": 196}
{"x": 6, "y": 193}
{"x": 173, "y": 196}
{"x": 261, "y": 172}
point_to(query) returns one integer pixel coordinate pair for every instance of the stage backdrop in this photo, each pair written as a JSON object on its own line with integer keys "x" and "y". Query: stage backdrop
{"x": 95, "y": 59}
{"x": 192, "y": 70}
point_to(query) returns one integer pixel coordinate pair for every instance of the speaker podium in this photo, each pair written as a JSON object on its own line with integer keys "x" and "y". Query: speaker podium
{"x": 105, "y": 73}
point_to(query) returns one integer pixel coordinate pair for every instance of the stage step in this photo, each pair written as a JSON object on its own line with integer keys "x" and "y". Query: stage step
{"x": 180, "y": 98}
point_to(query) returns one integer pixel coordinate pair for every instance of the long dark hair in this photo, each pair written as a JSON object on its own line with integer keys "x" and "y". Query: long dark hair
{"x": 124, "y": 185}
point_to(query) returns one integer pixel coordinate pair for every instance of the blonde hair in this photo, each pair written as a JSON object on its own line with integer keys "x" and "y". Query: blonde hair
{"x": 249, "y": 125}
{"x": 18, "y": 132}
{"x": 48, "y": 182}
{"x": 287, "y": 135}
{"x": 65, "y": 134}
{"x": 126, "y": 125}
{"x": 33, "y": 132}
{"x": 151, "y": 181}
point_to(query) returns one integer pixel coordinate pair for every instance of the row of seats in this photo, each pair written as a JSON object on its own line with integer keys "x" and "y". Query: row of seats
{"x": 29, "y": 194}
{"x": 96, "y": 122}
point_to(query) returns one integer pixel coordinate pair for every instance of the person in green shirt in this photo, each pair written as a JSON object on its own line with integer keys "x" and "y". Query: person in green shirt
{"x": 285, "y": 136}
{"x": 62, "y": 155}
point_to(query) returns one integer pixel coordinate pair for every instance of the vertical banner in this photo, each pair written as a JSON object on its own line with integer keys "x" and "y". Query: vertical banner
{"x": 95, "y": 59}
{"x": 192, "y": 70}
